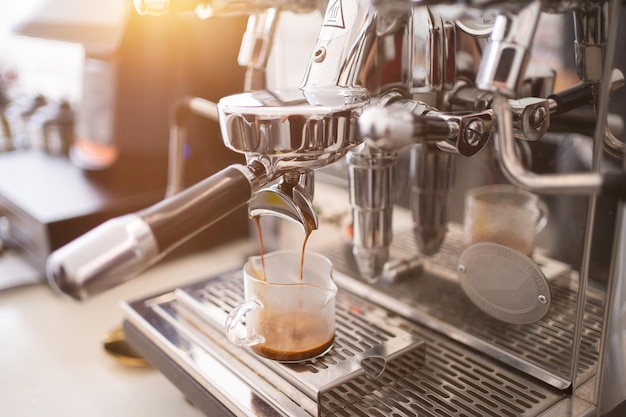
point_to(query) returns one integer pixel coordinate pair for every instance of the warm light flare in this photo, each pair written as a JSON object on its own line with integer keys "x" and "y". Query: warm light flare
{"x": 152, "y": 7}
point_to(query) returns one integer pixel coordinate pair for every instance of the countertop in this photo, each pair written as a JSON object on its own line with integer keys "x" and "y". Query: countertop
{"x": 52, "y": 362}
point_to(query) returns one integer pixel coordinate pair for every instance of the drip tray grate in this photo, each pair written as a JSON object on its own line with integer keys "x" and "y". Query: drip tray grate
{"x": 433, "y": 297}
{"x": 381, "y": 363}
{"x": 365, "y": 341}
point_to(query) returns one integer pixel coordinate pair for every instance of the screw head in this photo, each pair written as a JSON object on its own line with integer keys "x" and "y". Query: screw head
{"x": 538, "y": 118}
{"x": 474, "y": 132}
{"x": 319, "y": 55}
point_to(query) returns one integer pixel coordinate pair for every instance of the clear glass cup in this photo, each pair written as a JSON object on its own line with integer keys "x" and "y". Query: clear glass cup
{"x": 288, "y": 314}
{"x": 504, "y": 214}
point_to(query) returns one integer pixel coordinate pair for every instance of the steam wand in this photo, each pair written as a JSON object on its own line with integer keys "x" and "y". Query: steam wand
{"x": 590, "y": 70}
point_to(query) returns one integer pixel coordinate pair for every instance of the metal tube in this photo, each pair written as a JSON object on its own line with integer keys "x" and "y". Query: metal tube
{"x": 178, "y": 138}
{"x": 432, "y": 175}
{"x": 371, "y": 184}
{"x": 506, "y": 57}
{"x": 516, "y": 172}
{"x": 607, "y": 396}
{"x": 256, "y": 46}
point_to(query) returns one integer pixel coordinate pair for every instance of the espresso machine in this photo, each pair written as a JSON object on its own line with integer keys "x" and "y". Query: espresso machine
{"x": 423, "y": 99}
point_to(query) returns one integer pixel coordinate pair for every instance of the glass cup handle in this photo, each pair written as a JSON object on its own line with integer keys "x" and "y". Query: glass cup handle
{"x": 234, "y": 322}
{"x": 544, "y": 213}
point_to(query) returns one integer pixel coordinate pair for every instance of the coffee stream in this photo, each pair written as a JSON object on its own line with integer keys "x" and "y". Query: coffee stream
{"x": 257, "y": 220}
{"x": 310, "y": 222}
{"x": 298, "y": 333}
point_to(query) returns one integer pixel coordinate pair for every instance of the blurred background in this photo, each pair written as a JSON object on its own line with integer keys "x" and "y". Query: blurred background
{"x": 87, "y": 93}
{"x": 30, "y": 66}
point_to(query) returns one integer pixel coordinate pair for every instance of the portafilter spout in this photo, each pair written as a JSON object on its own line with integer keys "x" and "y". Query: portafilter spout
{"x": 123, "y": 247}
{"x": 290, "y": 199}
{"x": 294, "y": 136}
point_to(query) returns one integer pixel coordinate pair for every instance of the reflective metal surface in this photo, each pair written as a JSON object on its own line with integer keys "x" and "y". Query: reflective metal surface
{"x": 434, "y": 299}
{"x": 290, "y": 128}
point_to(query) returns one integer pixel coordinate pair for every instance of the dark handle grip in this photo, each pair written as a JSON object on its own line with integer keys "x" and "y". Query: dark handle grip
{"x": 572, "y": 98}
{"x": 581, "y": 94}
{"x": 123, "y": 247}
{"x": 184, "y": 215}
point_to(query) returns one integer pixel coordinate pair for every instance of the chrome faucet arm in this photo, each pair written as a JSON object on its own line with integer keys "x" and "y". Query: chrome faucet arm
{"x": 590, "y": 183}
{"x": 404, "y": 122}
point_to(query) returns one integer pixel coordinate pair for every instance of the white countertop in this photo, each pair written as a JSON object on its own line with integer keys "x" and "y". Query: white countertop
{"x": 52, "y": 362}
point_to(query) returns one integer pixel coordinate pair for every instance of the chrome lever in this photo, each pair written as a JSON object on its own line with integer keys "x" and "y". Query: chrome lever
{"x": 404, "y": 122}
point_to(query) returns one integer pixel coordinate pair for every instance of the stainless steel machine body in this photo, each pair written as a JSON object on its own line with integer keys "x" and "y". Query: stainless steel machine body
{"x": 427, "y": 323}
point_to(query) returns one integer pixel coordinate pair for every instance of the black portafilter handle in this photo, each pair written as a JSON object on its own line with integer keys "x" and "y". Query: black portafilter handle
{"x": 582, "y": 94}
{"x": 571, "y": 98}
{"x": 123, "y": 247}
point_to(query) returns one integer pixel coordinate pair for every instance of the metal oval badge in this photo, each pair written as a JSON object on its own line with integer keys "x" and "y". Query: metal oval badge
{"x": 504, "y": 283}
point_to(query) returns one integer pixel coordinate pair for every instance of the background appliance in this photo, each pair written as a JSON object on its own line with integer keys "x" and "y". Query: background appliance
{"x": 136, "y": 70}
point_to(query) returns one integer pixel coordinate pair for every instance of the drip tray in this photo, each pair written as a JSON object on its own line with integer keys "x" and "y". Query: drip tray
{"x": 380, "y": 365}
{"x": 432, "y": 296}
{"x": 365, "y": 343}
